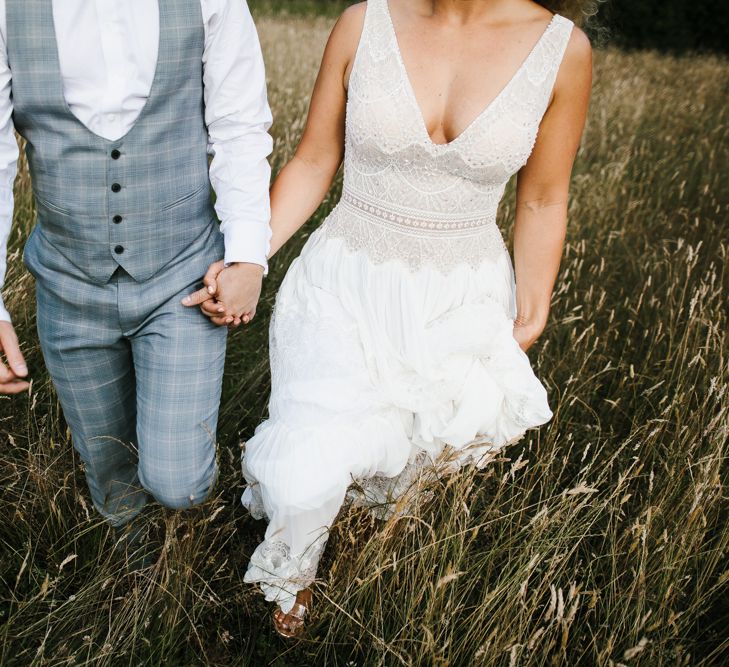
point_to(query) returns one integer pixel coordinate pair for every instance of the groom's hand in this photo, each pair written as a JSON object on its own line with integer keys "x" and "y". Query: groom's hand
{"x": 231, "y": 298}
{"x": 11, "y": 376}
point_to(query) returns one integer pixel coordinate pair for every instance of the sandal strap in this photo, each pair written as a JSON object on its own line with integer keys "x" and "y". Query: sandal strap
{"x": 298, "y": 611}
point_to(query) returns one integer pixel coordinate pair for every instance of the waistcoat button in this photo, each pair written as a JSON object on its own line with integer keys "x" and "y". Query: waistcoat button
{"x": 115, "y": 187}
{"x": 116, "y": 219}
{"x": 119, "y": 249}
{"x": 115, "y": 154}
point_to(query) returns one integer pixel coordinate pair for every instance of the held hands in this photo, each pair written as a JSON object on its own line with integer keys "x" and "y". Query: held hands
{"x": 230, "y": 295}
{"x": 11, "y": 376}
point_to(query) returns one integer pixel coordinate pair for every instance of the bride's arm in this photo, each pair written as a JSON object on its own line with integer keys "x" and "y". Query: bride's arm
{"x": 542, "y": 192}
{"x": 302, "y": 184}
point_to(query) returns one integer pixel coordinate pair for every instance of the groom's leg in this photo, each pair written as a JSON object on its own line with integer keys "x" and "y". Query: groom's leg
{"x": 178, "y": 358}
{"x": 91, "y": 367}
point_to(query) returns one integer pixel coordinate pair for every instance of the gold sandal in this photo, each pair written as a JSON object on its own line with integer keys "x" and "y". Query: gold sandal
{"x": 291, "y": 624}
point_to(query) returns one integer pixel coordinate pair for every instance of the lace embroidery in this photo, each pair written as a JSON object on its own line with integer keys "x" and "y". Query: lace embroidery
{"x": 407, "y": 198}
{"x": 279, "y": 573}
{"x": 383, "y": 239}
{"x": 404, "y": 220}
{"x": 405, "y": 494}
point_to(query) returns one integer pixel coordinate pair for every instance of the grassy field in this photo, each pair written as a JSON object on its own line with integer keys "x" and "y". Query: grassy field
{"x": 600, "y": 539}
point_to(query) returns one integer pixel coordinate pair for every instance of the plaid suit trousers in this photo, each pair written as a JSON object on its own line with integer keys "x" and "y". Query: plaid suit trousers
{"x": 137, "y": 374}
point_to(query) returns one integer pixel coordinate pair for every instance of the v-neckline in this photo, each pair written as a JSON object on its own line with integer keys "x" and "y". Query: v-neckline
{"x": 488, "y": 107}
{"x": 152, "y": 89}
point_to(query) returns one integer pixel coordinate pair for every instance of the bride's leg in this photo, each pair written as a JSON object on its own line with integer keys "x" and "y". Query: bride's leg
{"x": 328, "y": 423}
{"x": 286, "y": 562}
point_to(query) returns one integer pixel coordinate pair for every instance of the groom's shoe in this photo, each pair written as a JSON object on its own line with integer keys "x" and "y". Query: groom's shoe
{"x": 135, "y": 542}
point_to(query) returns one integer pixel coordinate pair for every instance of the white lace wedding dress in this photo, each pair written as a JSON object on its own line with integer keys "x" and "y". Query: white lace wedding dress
{"x": 391, "y": 340}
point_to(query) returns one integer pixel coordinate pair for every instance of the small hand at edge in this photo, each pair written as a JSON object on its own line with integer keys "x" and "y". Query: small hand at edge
{"x": 12, "y": 376}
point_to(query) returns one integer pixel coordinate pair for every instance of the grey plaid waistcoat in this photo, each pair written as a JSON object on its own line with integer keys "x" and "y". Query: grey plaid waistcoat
{"x": 135, "y": 202}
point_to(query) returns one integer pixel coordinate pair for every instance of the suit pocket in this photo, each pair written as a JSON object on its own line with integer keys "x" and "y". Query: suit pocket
{"x": 42, "y": 202}
{"x": 185, "y": 198}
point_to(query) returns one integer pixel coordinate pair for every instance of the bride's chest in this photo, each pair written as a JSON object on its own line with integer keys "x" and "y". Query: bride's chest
{"x": 385, "y": 128}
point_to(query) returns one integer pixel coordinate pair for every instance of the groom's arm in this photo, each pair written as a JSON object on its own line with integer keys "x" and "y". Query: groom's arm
{"x": 238, "y": 119}
{"x": 11, "y": 381}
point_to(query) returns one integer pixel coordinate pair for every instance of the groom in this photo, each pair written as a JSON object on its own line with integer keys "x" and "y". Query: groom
{"x": 120, "y": 104}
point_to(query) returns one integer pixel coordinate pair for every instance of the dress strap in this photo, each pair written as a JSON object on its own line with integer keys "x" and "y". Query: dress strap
{"x": 375, "y": 15}
{"x": 562, "y": 33}
{"x": 375, "y": 27}
{"x": 370, "y": 46}
{"x": 553, "y": 49}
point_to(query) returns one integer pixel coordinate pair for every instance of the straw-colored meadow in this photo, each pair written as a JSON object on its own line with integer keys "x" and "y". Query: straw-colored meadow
{"x": 600, "y": 539}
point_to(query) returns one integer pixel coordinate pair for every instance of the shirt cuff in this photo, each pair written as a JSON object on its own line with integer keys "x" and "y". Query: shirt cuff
{"x": 247, "y": 242}
{"x": 4, "y": 314}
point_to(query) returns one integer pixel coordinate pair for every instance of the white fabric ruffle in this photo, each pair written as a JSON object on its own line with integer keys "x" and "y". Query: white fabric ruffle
{"x": 377, "y": 370}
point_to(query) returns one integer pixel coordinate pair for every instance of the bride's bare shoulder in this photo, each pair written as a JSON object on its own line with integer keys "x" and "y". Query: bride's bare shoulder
{"x": 579, "y": 47}
{"x": 344, "y": 37}
{"x": 574, "y": 77}
{"x": 577, "y": 61}
{"x": 348, "y": 27}
{"x": 354, "y": 13}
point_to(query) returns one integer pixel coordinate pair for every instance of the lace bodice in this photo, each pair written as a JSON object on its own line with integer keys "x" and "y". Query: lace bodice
{"x": 407, "y": 198}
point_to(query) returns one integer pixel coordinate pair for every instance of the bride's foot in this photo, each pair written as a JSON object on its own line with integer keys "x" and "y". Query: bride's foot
{"x": 291, "y": 624}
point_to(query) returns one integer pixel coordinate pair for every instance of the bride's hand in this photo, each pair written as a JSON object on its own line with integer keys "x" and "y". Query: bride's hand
{"x": 526, "y": 332}
{"x": 238, "y": 291}
{"x": 230, "y": 295}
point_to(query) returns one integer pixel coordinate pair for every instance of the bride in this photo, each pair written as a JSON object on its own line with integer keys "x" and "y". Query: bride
{"x": 399, "y": 334}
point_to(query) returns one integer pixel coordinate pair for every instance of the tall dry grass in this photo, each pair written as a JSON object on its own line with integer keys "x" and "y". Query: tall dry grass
{"x": 600, "y": 539}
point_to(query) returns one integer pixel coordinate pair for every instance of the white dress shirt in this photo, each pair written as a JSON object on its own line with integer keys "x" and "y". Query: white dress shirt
{"x": 108, "y": 55}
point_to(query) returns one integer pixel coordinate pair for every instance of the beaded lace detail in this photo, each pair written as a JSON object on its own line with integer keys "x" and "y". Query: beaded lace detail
{"x": 446, "y": 240}
{"x": 411, "y": 200}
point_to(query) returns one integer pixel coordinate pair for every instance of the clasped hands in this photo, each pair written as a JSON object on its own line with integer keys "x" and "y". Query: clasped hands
{"x": 230, "y": 294}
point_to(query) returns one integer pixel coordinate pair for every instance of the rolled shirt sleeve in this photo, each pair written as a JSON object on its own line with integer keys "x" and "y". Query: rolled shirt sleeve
{"x": 238, "y": 118}
{"x": 8, "y": 158}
